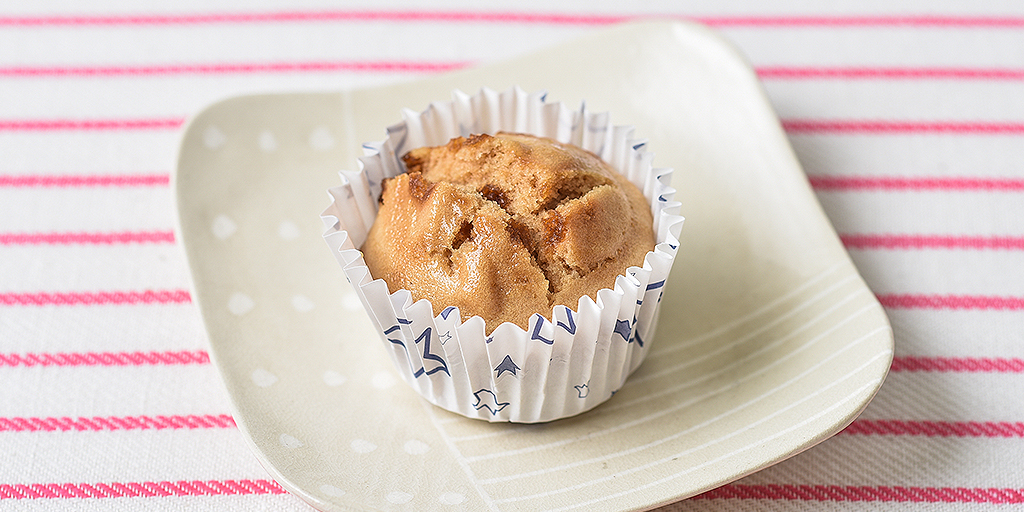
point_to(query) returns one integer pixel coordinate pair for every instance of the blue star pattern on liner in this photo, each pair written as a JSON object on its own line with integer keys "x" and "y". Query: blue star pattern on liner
{"x": 506, "y": 365}
{"x": 536, "y": 331}
{"x": 636, "y": 336}
{"x": 570, "y": 328}
{"x": 442, "y": 366}
{"x": 623, "y": 328}
{"x": 636, "y": 333}
{"x": 445, "y": 338}
{"x": 583, "y": 389}
{"x": 424, "y": 337}
{"x": 447, "y": 311}
{"x": 486, "y": 398}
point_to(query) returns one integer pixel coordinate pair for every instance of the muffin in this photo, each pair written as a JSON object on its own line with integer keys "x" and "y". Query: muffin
{"x": 506, "y": 226}
{"x": 513, "y": 275}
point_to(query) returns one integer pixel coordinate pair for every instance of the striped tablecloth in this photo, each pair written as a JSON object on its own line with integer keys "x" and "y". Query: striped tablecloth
{"x": 908, "y": 119}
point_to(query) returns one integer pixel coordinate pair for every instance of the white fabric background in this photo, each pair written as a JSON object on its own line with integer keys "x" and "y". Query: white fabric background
{"x": 915, "y": 109}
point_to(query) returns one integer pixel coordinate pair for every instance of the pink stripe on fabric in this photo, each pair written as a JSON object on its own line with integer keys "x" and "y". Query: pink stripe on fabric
{"x": 865, "y": 21}
{"x": 818, "y": 182}
{"x": 926, "y": 301}
{"x": 922, "y": 183}
{"x": 95, "y": 298}
{"x": 935, "y": 428}
{"x": 202, "y": 69}
{"x": 98, "y": 180}
{"x": 931, "y": 242}
{"x": 815, "y": 126}
{"x": 23, "y": 125}
{"x": 123, "y": 237}
{"x": 182, "y": 296}
{"x": 859, "y": 427}
{"x": 793, "y": 126}
{"x": 865, "y": 493}
{"x": 105, "y": 358}
{"x": 513, "y": 17}
{"x": 316, "y": 16}
{"x": 814, "y": 72}
{"x": 139, "y": 489}
{"x": 765, "y": 72}
{"x": 957, "y": 364}
{"x": 899, "y": 364}
{"x": 98, "y": 423}
{"x": 858, "y": 241}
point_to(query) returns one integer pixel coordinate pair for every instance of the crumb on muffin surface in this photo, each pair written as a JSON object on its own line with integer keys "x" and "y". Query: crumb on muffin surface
{"x": 506, "y": 226}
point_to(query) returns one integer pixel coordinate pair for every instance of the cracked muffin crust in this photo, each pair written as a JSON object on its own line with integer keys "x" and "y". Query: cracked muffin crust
{"x": 506, "y": 226}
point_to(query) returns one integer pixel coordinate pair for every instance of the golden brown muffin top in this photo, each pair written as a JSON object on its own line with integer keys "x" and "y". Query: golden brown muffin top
{"x": 506, "y": 226}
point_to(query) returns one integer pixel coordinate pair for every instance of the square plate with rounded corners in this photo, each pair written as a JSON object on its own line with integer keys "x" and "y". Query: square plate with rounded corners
{"x": 768, "y": 343}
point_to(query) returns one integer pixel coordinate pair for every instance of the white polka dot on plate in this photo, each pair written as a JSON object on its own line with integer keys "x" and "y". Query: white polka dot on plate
{"x": 321, "y": 139}
{"x": 223, "y": 227}
{"x": 398, "y": 497}
{"x": 287, "y": 230}
{"x": 240, "y": 304}
{"x": 213, "y": 138}
{"x": 333, "y": 378}
{"x": 289, "y": 442}
{"x": 267, "y": 141}
{"x": 416, "y": 447}
{"x": 451, "y": 498}
{"x": 382, "y": 380}
{"x": 331, "y": 490}
{"x": 351, "y": 302}
{"x": 362, "y": 446}
{"x": 302, "y": 304}
{"x": 263, "y": 378}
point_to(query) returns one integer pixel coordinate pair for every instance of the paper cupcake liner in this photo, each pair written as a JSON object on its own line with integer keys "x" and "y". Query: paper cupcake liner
{"x": 562, "y": 365}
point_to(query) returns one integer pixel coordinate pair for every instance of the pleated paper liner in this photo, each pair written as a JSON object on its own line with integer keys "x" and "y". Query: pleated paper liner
{"x": 562, "y": 365}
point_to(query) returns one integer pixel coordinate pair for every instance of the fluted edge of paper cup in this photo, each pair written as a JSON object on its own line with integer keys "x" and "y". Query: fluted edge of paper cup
{"x": 562, "y": 365}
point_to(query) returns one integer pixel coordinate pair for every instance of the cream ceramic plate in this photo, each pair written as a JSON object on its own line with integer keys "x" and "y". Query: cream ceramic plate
{"x": 769, "y": 342}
